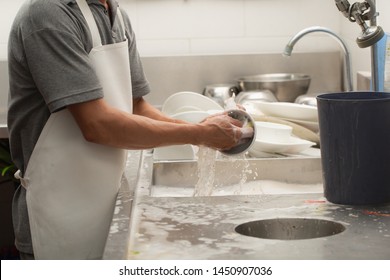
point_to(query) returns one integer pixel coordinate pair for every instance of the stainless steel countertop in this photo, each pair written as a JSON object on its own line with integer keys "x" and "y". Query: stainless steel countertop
{"x": 147, "y": 227}
{"x": 118, "y": 239}
{"x": 203, "y": 228}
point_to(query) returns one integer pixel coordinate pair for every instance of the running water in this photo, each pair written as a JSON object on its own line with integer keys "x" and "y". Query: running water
{"x": 206, "y": 171}
{"x": 207, "y": 161}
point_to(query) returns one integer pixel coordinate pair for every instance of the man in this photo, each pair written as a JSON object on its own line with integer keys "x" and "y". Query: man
{"x": 76, "y": 104}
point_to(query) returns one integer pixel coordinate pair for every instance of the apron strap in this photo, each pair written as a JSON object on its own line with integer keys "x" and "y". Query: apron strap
{"x": 86, "y": 11}
{"x": 121, "y": 22}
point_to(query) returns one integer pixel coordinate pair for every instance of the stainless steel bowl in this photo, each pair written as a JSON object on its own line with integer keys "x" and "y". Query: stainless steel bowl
{"x": 220, "y": 92}
{"x": 255, "y": 95}
{"x": 245, "y": 143}
{"x": 285, "y": 86}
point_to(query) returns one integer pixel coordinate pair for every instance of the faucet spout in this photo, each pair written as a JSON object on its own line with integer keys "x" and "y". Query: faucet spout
{"x": 347, "y": 61}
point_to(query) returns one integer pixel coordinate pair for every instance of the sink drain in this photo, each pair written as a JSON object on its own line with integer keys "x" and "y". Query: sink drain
{"x": 290, "y": 228}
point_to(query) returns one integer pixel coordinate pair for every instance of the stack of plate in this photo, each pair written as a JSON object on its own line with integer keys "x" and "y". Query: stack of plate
{"x": 277, "y": 138}
{"x": 304, "y": 115}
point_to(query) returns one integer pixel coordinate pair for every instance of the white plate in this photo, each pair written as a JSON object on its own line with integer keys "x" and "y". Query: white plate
{"x": 314, "y": 126}
{"x": 273, "y": 132}
{"x": 187, "y": 99}
{"x": 293, "y": 146}
{"x": 191, "y": 116}
{"x": 298, "y": 130}
{"x": 186, "y": 109}
{"x": 287, "y": 110}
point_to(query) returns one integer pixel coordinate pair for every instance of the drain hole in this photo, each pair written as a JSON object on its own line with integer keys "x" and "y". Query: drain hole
{"x": 290, "y": 228}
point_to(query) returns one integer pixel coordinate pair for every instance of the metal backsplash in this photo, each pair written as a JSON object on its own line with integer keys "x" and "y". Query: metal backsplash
{"x": 168, "y": 75}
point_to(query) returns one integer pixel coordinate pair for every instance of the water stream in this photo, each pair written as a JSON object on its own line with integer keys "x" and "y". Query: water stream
{"x": 206, "y": 170}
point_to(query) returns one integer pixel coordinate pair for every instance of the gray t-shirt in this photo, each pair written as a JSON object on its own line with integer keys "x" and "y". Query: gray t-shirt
{"x": 49, "y": 69}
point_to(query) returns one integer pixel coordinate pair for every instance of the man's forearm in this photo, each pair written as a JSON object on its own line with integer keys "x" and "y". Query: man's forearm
{"x": 143, "y": 108}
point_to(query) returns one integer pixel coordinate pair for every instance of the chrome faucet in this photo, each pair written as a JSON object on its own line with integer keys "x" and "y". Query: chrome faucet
{"x": 347, "y": 61}
{"x": 359, "y": 13}
{"x": 370, "y": 35}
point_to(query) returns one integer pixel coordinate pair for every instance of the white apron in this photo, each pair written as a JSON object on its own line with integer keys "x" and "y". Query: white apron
{"x": 72, "y": 184}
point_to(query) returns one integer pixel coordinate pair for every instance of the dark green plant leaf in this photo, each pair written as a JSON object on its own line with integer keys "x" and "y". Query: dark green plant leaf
{"x": 6, "y": 169}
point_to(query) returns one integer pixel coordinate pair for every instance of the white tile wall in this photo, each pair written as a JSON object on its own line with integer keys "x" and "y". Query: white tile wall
{"x": 227, "y": 26}
{"x": 194, "y": 27}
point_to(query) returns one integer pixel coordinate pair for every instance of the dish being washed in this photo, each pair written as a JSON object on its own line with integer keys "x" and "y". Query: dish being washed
{"x": 249, "y": 132}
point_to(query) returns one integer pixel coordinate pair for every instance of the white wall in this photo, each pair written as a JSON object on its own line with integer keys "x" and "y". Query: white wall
{"x": 192, "y": 27}
{"x": 167, "y": 27}
{"x": 200, "y": 27}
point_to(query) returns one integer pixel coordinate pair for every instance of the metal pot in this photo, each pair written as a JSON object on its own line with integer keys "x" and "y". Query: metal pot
{"x": 255, "y": 95}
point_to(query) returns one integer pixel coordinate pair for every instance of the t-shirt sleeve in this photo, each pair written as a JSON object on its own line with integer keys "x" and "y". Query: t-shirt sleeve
{"x": 61, "y": 68}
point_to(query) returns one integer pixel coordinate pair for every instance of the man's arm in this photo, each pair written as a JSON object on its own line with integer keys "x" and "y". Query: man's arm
{"x": 102, "y": 124}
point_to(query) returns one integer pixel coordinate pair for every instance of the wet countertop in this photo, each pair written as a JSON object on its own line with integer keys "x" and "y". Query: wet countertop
{"x": 147, "y": 227}
{"x": 204, "y": 228}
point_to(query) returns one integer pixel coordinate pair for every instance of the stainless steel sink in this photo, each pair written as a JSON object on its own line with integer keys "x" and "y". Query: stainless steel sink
{"x": 252, "y": 176}
{"x": 233, "y": 227}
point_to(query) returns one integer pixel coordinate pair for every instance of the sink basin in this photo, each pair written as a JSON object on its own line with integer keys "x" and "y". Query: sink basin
{"x": 290, "y": 228}
{"x": 251, "y": 176}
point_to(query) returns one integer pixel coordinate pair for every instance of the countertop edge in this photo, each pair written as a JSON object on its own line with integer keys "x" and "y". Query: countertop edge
{"x": 116, "y": 248}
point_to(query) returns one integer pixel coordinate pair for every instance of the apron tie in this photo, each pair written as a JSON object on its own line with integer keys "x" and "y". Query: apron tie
{"x": 23, "y": 181}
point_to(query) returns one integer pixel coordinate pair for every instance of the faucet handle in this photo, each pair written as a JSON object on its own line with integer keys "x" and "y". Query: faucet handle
{"x": 343, "y": 6}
